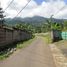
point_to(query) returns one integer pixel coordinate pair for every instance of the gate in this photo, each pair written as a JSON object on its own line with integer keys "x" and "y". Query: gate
{"x": 57, "y": 35}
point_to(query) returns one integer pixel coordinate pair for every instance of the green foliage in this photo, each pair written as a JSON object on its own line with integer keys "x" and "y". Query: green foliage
{"x": 65, "y": 26}
{"x": 42, "y": 28}
{"x": 56, "y": 26}
{"x": 25, "y": 26}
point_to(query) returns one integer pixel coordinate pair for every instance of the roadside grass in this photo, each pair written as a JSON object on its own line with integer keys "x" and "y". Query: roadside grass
{"x": 46, "y": 37}
{"x": 62, "y": 43}
{"x": 25, "y": 43}
{"x": 7, "y": 52}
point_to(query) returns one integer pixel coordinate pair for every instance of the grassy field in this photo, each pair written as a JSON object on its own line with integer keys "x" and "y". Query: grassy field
{"x": 6, "y": 53}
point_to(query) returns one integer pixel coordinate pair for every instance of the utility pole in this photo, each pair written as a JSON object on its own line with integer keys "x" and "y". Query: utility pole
{"x": 1, "y": 16}
{"x": 55, "y": 34}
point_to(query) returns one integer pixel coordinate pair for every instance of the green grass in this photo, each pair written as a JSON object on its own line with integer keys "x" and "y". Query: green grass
{"x": 61, "y": 43}
{"x": 25, "y": 44}
{"x": 6, "y": 53}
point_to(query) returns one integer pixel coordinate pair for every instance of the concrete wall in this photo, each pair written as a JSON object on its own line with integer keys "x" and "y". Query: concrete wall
{"x": 2, "y": 36}
{"x": 8, "y": 36}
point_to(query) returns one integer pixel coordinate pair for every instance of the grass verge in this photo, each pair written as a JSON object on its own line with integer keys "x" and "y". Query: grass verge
{"x": 61, "y": 43}
{"x": 25, "y": 43}
{"x": 7, "y": 52}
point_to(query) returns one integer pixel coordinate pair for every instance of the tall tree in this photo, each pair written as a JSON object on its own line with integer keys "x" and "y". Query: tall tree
{"x": 1, "y": 17}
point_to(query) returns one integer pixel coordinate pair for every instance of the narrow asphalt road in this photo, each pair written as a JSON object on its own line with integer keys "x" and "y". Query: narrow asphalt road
{"x": 38, "y": 54}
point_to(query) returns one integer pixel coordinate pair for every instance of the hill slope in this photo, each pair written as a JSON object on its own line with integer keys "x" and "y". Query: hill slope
{"x": 36, "y": 20}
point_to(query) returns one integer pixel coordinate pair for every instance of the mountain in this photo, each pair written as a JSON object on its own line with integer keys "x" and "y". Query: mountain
{"x": 32, "y": 20}
{"x": 36, "y": 20}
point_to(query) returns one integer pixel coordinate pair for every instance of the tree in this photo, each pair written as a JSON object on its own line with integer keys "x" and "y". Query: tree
{"x": 65, "y": 25}
{"x": 1, "y": 17}
{"x": 44, "y": 27}
{"x": 56, "y": 26}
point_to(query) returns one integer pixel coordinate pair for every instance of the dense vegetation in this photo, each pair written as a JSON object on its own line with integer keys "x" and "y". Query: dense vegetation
{"x": 32, "y": 28}
{"x": 43, "y": 27}
{"x": 38, "y": 24}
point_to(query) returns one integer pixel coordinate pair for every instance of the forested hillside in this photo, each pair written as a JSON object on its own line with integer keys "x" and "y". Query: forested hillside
{"x": 36, "y": 24}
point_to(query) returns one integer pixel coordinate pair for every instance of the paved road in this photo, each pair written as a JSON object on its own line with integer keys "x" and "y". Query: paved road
{"x": 38, "y": 54}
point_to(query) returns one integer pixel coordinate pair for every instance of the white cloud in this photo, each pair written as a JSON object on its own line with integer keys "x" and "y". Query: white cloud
{"x": 46, "y": 9}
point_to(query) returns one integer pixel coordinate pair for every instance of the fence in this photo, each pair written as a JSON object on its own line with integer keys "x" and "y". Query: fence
{"x": 64, "y": 35}
{"x": 58, "y": 35}
{"x": 8, "y": 36}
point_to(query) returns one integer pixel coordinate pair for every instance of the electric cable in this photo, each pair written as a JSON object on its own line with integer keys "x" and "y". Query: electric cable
{"x": 22, "y": 9}
{"x": 8, "y": 5}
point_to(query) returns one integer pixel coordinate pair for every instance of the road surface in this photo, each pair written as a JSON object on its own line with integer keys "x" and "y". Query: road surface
{"x": 38, "y": 54}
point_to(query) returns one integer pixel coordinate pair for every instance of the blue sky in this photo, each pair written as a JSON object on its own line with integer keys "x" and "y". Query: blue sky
{"x": 39, "y": 1}
{"x": 44, "y": 8}
{"x": 65, "y": 1}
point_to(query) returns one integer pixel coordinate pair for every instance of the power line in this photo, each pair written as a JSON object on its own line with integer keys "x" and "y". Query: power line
{"x": 9, "y": 5}
{"x": 58, "y": 11}
{"x": 22, "y": 9}
{"x": 15, "y": 7}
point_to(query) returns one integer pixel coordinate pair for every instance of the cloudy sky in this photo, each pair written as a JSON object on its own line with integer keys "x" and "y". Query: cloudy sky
{"x": 44, "y": 8}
